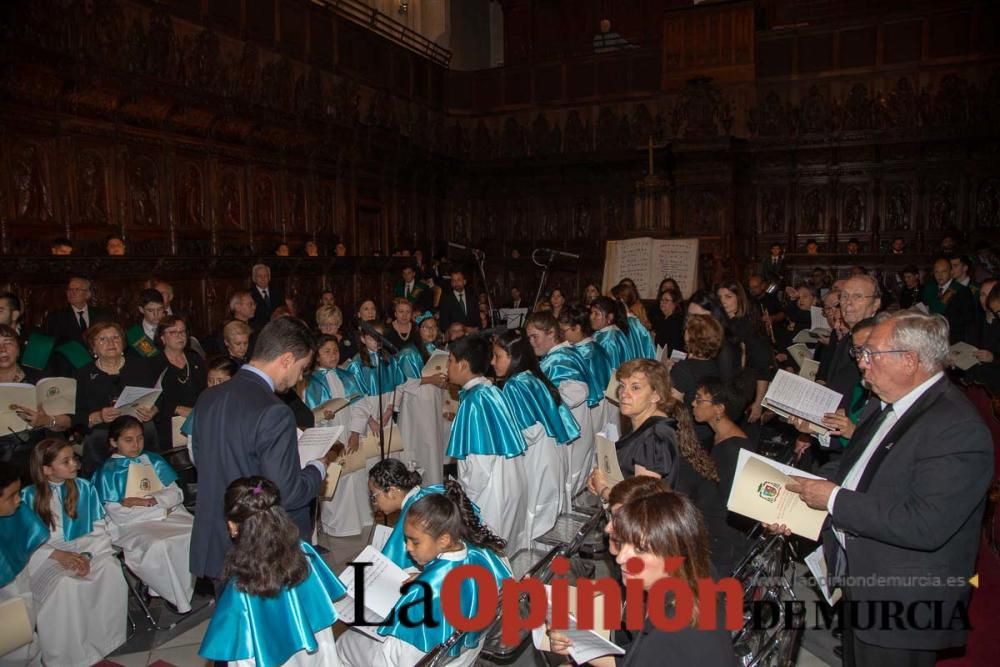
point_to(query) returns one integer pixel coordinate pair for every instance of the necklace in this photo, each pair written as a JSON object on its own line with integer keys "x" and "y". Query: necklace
{"x": 121, "y": 362}
{"x": 183, "y": 374}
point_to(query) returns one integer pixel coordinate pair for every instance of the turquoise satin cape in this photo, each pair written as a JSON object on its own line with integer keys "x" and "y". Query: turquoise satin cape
{"x": 20, "y": 534}
{"x": 112, "y": 477}
{"x": 318, "y": 390}
{"x": 640, "y": 340}
{"x": 566, "y": 363}
{"x": 600, "y": 369}
{"x": 88, "y": 508}
{"x": 615, "y": 345}
{"x": 484, "y": 425}
{"x": 423, "y": 635}
{"x": 366, "y": 378}
{"x": 410, "y": 361}
{"x": 395, "y": 546}
{"x": 272, "y": 630}
{"x": 530, "y": 402}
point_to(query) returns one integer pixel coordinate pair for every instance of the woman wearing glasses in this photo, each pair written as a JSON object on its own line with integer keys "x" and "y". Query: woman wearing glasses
{"x": 184, "y": 376}
{"x": 17, "y": 439}
{"x": 98, "y": 385}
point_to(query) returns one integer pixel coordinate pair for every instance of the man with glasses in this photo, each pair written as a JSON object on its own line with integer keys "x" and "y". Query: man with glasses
{"x": 68, "y": 324}
{"x": 906, "y": 504}
{"x": 947, "y": 296}
{"x": 859, "y": 299}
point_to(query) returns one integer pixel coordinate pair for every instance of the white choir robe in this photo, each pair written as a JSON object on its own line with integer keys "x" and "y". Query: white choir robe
{"x": 422, "y": 426}
{"x": 359, "y": 650}
{"x": 581, "y": 453}
{"x": 157, "y": 544}
{"x": 80, "y": 620}
{"x": 602, "y": 414}
{"x": 29, "y": 655}
{"x": 342, "y": 515}
{"x": 499, "y": 486}
{"x": 325, "y": 654}
{"x": 547, "y": 475}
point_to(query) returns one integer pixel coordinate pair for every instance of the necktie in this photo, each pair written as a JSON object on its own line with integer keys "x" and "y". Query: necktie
{"x": 264, "y": 293}
{"x": 83, "y": 321}
{"x": 461, "y": 301}
{"x": 406, "y": 293}
{"x": 940, "y": 291}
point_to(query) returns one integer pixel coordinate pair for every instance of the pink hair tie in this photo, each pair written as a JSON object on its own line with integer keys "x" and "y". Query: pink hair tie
{"x": 259, "y": 489}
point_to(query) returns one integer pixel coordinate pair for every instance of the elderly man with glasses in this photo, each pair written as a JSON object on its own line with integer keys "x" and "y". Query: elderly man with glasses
{"x": 906, "y": 504}
{"x": 859, "y": 299}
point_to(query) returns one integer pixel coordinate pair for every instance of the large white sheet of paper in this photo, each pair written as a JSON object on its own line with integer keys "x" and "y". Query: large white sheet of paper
{"x": 57, "y": 395}
{"x": 817, "y": 320}
{"x": 134, "y": 397}
{"x": 647, "y": 261}
{"x": 142, "y": 481}
{"x": 11, "y": 394}
{"x": 791, "y": 395}
{"x": 314, "y": 443}
{"x": 380, "y": 536}
{"x": 816, "y": 563}
{"x": 760, "y": 491}
{"x": 437, "y": 364}
{"x": 607, "y": 459}
{"x": 15, "y": 626}
{"x": 587, "y": 644}
{"x": 964, "y": 355}
{"x": 382, "y": 582}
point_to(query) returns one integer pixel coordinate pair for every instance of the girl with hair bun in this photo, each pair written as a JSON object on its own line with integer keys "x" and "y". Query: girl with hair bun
{"x": 393, "y": 487}
{"x": 609, "y": 321}
{"x": 639, "y": 338}
{"x": 277, "y": 604}
{"x": 443, "y": 532}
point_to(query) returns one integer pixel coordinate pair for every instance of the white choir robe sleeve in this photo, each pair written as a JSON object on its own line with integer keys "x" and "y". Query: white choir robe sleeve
{"x": 169, "y": 496}
{"x": 28, "y": 654}
{"x": 573, "y": 392}
{"x": 359, "y": 414}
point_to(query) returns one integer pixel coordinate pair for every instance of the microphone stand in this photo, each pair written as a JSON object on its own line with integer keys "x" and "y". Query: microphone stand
{"x": 481, "y": 262}
{"x": 546, "y": 265}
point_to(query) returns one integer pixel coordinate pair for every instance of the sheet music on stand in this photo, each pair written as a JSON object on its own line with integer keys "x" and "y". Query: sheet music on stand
{"x": 513, "y": 318}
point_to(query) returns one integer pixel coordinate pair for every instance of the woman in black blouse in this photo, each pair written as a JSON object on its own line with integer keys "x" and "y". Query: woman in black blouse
{"x": 668, "y": 319}
{"x": 747, "y": 326}
{"x": 661, "y": 431}
{"x": 184, "y": 376}
{"x": 651, "y": 529}
{"x": 716, "y": 404}
{"x": 98, "y": 385}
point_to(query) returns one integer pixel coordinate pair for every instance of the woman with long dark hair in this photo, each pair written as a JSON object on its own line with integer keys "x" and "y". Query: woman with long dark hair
{"x": 668, "y": 319}
{"x": 747, "y": 325}
{"x": 546, "y": 424}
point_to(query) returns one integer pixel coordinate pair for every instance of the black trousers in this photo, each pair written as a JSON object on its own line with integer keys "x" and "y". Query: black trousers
{"x": 859, "y": 654}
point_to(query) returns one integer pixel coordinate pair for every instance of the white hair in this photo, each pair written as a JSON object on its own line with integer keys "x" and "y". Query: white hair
{"x": 927, "y": 335}
{"x": 260, "y": 266}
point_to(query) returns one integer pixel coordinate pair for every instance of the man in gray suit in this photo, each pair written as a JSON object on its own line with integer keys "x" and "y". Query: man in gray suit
{"x": 242, "y": 428}
{"x": 907, "y": 502}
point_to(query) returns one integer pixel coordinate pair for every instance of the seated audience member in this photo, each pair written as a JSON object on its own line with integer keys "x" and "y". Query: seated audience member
{"x": 15, "y": 447}
{"x": 798, "y": 312}
{"x": 78, "y": 555}
{"x": 98, "y": 385}
{"x": 911, "y": 292}
{"x": 558, "y": 301}
{"x": 853, "y": 246}
{"x": 340, "y": 250}
{"x": 950, "y": 298}
{"x": 277, "y": 606}
{"x": 650, "y": 529}
{"x": 142, "y": 336}
{"x": 330, "y": 322}
{"x": 266, "y": 297}
{"x": 154, "y": 529}
{"x": 400, "y": 331}
{"x": 961, "y": 266}
{"x": 183, "y": 377}
{"x": 412, "y": 289}
{"x": 311, "y": 249}
{"x": 812, "y": 248}
{"x": 772, "y": 268}
{"x": 236, "y": 335}
{"x": 115, "y": 246}
{"x": 898, "y": 246}
{"x": 987, "y": 371}
{"x": 443, "y": 532}
{"x": 281, "y": 250}
{"x": 326, "y": 298}
{"x": 61, "y": 246}
{"x": 68, "y": 323}
{"x": 668, "y": 320}
{"x": 455, "y": 331}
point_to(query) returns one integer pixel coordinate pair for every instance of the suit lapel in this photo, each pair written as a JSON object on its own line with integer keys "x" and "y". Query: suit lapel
{"x": 862, "y": 436}
{"x": 899, "y": 429}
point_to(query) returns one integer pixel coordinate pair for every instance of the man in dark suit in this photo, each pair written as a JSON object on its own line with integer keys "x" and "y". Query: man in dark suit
{"x": 906, "y": 505}
{"x": 412, "y": 290}
{"x": 242, "y": 428}
{"x": 266, "y": 296}
{"x": 68, "y": 323}
{"x": 772, "y": 267}
{"x": 947, "y": 296}
{"x": 459, "y": 304}
{"x": 859, "y": 299}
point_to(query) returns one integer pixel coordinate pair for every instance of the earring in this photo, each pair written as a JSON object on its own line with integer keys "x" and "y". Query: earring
{"x": 718, "y": 419}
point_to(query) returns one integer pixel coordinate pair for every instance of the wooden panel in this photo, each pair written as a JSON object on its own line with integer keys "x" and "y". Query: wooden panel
{"x": 226, "y": 15}
{"x": 320, "y": 38}
{"x": 903, "y": 41}
{"x": 775, "y": 57}
{"x": 580, "y": 80}
{"x": 949, "y": 35}
{"x": 816, "y": 52}
{"x": 857, "y": 47}
{"x": 260, "y": 20}
{"x": 548, "y": 83}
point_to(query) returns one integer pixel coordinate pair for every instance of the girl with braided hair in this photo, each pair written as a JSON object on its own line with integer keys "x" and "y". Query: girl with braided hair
{"x": 277, "y": 604}
{"x": 546, "y": 424}
{"x": 443, "y": 532}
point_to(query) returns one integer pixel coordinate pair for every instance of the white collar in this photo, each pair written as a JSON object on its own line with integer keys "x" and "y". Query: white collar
{"x": 479, "y": 379}
{"x": 906, "y": 402}
{"x": 586, "y": 340}
{"x": 461, "y": 554}
{"x": 942, "y": 288}
{"x": 558, "y": 346}
{"x": 412, "y": 492}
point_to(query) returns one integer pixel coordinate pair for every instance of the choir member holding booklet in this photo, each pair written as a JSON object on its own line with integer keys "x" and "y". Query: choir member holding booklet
{"x": 422, "y": 394}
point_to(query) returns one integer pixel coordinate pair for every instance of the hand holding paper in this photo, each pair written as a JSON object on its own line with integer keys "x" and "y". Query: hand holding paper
{"x": 814, "y": 492}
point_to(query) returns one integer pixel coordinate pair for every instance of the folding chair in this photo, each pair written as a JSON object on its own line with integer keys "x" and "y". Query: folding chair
{"x": 187, "y": 475}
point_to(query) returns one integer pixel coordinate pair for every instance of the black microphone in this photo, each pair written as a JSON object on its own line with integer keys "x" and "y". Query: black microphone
{"x": 371, "y": 331}
{"x": 477, "y": 253}
{"x": 558, "y": 253}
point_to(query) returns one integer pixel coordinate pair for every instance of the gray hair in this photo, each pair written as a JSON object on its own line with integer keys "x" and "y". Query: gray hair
{"x": 260, "y": 266}
{"x": 876, "y": 290}
{"x": 927, "y": 335}
{"x": 236, "y": 297}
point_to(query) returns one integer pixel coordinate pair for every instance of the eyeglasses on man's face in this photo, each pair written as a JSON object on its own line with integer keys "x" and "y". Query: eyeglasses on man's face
{"x": 865, "y": 355}
{"x": 855, "y": 297}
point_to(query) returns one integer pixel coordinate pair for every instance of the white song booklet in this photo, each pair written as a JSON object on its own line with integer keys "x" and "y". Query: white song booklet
{"x": 792, "y": 396}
